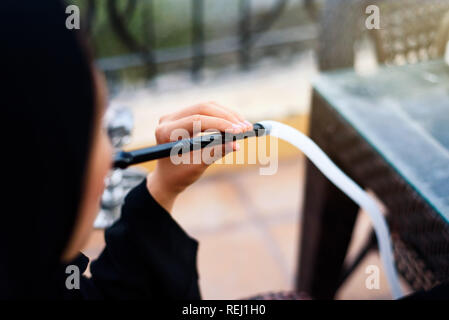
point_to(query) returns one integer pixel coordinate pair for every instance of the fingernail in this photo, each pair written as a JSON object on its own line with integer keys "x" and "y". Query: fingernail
{"x": 243, "y": 125}
{"x": 236, "y": 128}
{"x": 237, "y": 146}
{"x": 249, "y": 125}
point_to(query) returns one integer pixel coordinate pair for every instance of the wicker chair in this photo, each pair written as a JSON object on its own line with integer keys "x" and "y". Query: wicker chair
{"x": 408, "y": 33}
{"x": 409, "y": 30}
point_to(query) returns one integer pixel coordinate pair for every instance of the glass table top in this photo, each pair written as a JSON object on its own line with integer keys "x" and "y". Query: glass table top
{"x": 403, "y": 112}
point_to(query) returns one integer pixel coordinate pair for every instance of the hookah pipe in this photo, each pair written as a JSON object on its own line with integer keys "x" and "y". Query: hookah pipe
{"x": 124, "y": 159}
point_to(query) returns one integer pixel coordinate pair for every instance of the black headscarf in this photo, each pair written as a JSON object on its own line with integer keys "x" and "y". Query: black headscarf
{"x": 47, "y": 114}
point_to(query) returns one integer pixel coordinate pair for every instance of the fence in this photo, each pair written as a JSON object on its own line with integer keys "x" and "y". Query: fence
{"x": 251, "y": 34}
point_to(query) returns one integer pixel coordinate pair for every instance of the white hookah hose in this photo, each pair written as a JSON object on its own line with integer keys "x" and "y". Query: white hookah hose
{"x": 349, "y": 187}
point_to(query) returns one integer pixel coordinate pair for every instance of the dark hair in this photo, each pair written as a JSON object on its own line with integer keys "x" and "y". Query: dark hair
{"x": 48, "y": 111}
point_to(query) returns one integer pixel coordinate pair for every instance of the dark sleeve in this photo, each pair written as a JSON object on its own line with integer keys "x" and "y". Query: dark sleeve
{"x": 147, "y": 254}
{"x": 440, "y": 292}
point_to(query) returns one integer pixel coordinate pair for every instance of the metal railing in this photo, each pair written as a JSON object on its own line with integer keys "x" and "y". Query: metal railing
{"x": 251, "y": 34}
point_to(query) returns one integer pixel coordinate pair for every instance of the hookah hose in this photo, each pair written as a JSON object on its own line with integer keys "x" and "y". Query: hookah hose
{"x": 350, "y": 188}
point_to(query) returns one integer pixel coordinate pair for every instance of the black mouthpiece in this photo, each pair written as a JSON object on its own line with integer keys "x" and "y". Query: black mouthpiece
{"x": 124, "y": 159}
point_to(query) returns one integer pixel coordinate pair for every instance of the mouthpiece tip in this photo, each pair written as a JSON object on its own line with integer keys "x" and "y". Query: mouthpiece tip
{"x": 122, "y": 160}
{"x": 261, "y": 129}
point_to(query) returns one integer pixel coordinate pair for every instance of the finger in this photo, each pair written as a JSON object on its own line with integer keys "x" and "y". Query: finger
{"x": 206, "y": 109}
{"x": 195, "y": 122}
{"x": 216, "y": 152}
{"x": 235, "y": 113}
{"x": 246, "y": 124}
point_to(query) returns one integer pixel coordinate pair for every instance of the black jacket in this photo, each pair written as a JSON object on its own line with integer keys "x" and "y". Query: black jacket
{"x": 147, "y": 256}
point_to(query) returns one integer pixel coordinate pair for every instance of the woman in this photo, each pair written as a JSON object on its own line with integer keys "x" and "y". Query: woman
{"x": 53, "y": 100}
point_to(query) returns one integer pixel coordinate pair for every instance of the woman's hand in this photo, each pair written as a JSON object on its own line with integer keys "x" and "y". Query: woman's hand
{"x": 169, "y": 179}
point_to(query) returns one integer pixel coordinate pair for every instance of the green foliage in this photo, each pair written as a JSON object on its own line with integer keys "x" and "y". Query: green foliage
{"x": 171, "y": 21}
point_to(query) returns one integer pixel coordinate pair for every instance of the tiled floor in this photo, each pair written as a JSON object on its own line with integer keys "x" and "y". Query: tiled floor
{"x": 247, "y": 230}
{"x": 247, "y": 226}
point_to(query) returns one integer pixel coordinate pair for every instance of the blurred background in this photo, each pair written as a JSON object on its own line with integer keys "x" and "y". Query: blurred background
{"x": 258, "y": 57}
